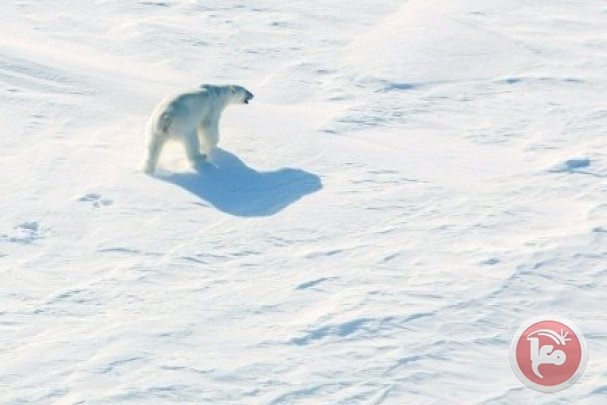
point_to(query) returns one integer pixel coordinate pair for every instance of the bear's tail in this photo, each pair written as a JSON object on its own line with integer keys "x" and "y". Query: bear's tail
{"x": 164, "y": 123}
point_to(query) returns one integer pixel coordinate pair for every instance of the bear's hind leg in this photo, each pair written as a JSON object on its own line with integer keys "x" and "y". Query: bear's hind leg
{"x": 192, "y": 150}
{"x": 154, "y": 147}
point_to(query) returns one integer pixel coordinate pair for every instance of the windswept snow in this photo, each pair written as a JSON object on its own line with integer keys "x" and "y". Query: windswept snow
{"x": 413, "y": 180}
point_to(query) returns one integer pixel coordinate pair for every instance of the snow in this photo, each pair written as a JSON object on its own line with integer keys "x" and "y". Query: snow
{"x": 413, "y": 180}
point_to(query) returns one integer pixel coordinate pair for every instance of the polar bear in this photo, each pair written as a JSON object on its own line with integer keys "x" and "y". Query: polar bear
{"x": 191, "y": 117}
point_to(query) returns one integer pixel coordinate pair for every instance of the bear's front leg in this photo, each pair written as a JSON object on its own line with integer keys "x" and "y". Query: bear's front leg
{"x": 208, "y": 135}
{"x": 192, "y": 150}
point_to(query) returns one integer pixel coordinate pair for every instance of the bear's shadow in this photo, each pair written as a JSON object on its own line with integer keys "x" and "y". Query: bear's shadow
{"x": 236, "y": 189}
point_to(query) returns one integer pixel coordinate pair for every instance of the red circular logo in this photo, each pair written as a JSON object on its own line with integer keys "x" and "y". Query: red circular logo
{"x": 548, "y": 353}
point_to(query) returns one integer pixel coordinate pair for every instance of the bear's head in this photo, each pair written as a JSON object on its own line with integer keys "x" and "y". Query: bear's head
{"x": 240, "y": 95}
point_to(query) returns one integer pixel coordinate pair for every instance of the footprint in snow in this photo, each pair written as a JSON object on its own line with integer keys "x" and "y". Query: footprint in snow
{"x": 25, "y": 233}
{"x": 577, "y": 165}
{"x": 96, "y": 200}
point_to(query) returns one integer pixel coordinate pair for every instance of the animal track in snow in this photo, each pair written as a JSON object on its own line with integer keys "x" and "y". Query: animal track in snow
{"x": 25, "y": 233}
{"x": 96, "y": 200}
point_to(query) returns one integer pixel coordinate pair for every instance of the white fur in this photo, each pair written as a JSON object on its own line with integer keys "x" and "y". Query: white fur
{"x": 190, "y": 117}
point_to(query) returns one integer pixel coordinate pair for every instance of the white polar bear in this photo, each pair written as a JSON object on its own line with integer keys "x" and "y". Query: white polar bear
{"x": 191, "y": 117}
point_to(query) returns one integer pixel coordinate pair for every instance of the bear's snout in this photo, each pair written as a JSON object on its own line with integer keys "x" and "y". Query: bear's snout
{"x": 248, "y": 97}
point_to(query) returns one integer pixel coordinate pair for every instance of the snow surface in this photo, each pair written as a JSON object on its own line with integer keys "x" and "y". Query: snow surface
{"x": 413, "y": 180}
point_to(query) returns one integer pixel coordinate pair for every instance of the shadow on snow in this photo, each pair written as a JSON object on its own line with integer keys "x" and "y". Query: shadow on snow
{"x": 236, "y": 189}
